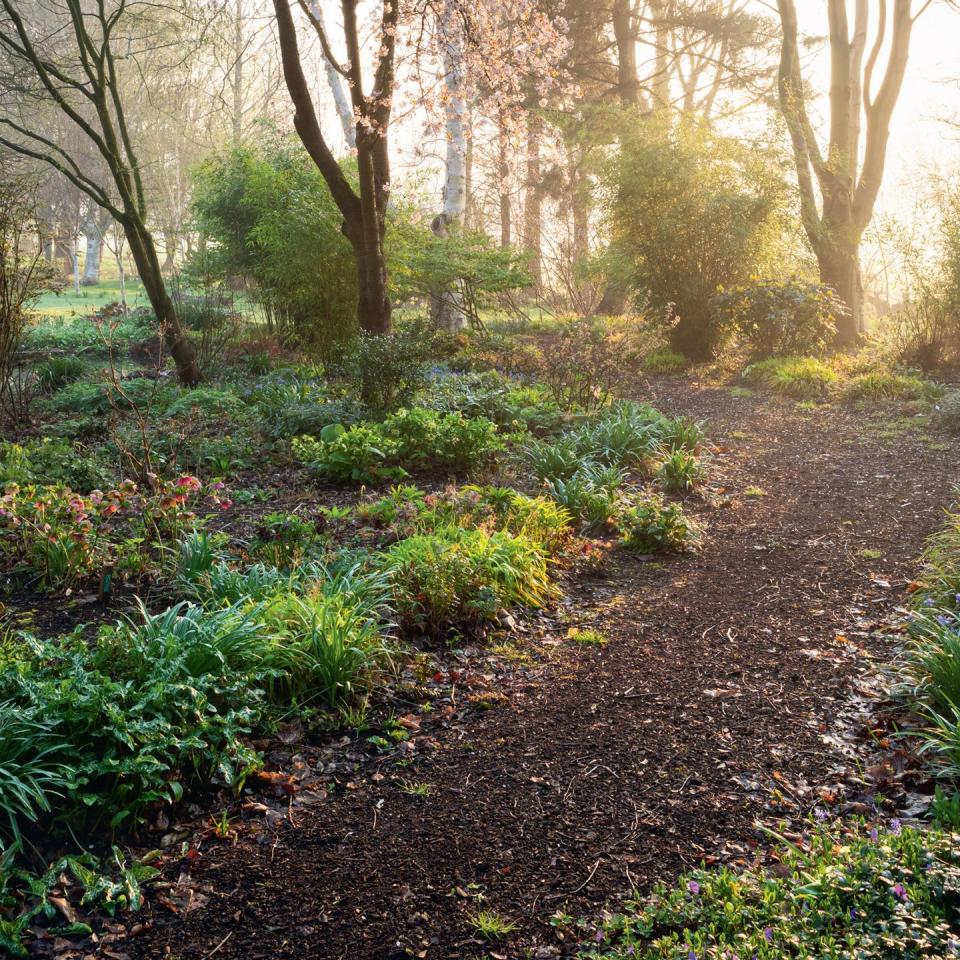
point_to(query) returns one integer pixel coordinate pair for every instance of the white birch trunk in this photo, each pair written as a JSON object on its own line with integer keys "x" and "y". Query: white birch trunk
{"x": 447, "y": 309}
{"x": 341, "y": 98}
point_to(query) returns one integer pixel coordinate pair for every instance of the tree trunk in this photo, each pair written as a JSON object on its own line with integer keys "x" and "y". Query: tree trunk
{"x": 75, "y": 264}
{"x": 503, "y": 188}
{"x": 94, "y": 256}
{"x": 848, "y": 194}
{"x": 626, "y": 40}
{"x": 144, "y": 253}
{"x": 374, "y": 311}
{"x": 341, "y": 99}
{"x": 170, "y": 251}
{"x": 659, "y": 10}
{"x": 446, "y": 307}
{"x": 840, "y": 268}
{"x": 532, "y": 214}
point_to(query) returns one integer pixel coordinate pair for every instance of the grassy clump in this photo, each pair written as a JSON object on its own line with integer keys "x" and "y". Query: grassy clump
{"x": 887, "y": 385}
{"x": 664, "y": 361}
{"x": 588, "y": 471}
{"x": 851, "y": 894}
{"x": 803, "y": 378}
{"x": 931, "y": 657}
{"x": 458, "y": 578}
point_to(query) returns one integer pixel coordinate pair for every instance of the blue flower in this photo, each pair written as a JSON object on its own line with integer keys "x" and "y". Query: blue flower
{"x": 929, "y": 602}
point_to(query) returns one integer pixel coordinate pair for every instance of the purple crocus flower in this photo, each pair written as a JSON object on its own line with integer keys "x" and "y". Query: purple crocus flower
{"x": 899, "y": 891}
{"x": 874, "y": 834}
{"x": 820, "y": 814}
{"x": 693, "y": 887}
{"x": 929, "y": 602}
{"x": 944, "y": 620}
{"x": 768, "y": 934}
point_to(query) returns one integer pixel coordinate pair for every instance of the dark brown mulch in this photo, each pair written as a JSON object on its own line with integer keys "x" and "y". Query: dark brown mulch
{"x": 609, "y": 767}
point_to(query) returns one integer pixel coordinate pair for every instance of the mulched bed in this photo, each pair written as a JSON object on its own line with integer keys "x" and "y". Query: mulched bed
{"x": 558, "y": 784}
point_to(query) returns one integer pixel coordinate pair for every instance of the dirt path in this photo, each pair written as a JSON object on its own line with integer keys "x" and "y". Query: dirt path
{"x": 615, "y": 765}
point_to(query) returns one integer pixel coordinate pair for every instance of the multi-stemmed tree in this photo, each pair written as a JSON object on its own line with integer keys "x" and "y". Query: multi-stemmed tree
{"x": 839, "y": 185}
{"x": 62, "y": 53}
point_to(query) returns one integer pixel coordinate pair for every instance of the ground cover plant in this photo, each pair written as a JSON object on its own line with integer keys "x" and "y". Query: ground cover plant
{"x": 864, "y": 891}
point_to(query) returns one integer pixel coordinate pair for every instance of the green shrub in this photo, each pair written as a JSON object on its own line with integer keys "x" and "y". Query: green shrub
{"x": 48, "y": 462}
{"x": 290, "y": 405}
{"x": 97, "y": 399}
{"x": 941, "y": 571}
{"x": 207, "y": 403}
{"x": 680, "y": 472}
{"x": 388, "y": 370}
{"x": 135, "y": 720}
{"x": 223, "y": 585}
{"x": 59, "y": 539}
{"x": 803, "y": 378}
{"x": 272, "y": 219}
{"x": 444, "y": 441}
{"x": 650, "y": 525}
{"x": 283, "y": 540}
{"x": 625, "y": 435}
{"x": 691, "y": 211}
{"x": 461, "y": 578}
{"x": 408, "y": 511}
{"x": 591, "y": 495}
{"x": 886, "y": 894}
{"x": 781, "y": 318}
{"x": 539, "y": 520}
{"x": 511, "y": 406}
{"x": 200, "y": 551}
{"x": 583, "y": 363}
{"x": 681, "y": 433}
{"x": 948, "y": 411}
{"x": 552, "y": 460}
{"x": 417, "y": 438}
{"x": 362, "y": 454}
{"x": 57, "y": 372}
{"x": 884, "y": 385}
{"x": 932, "y": 656}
